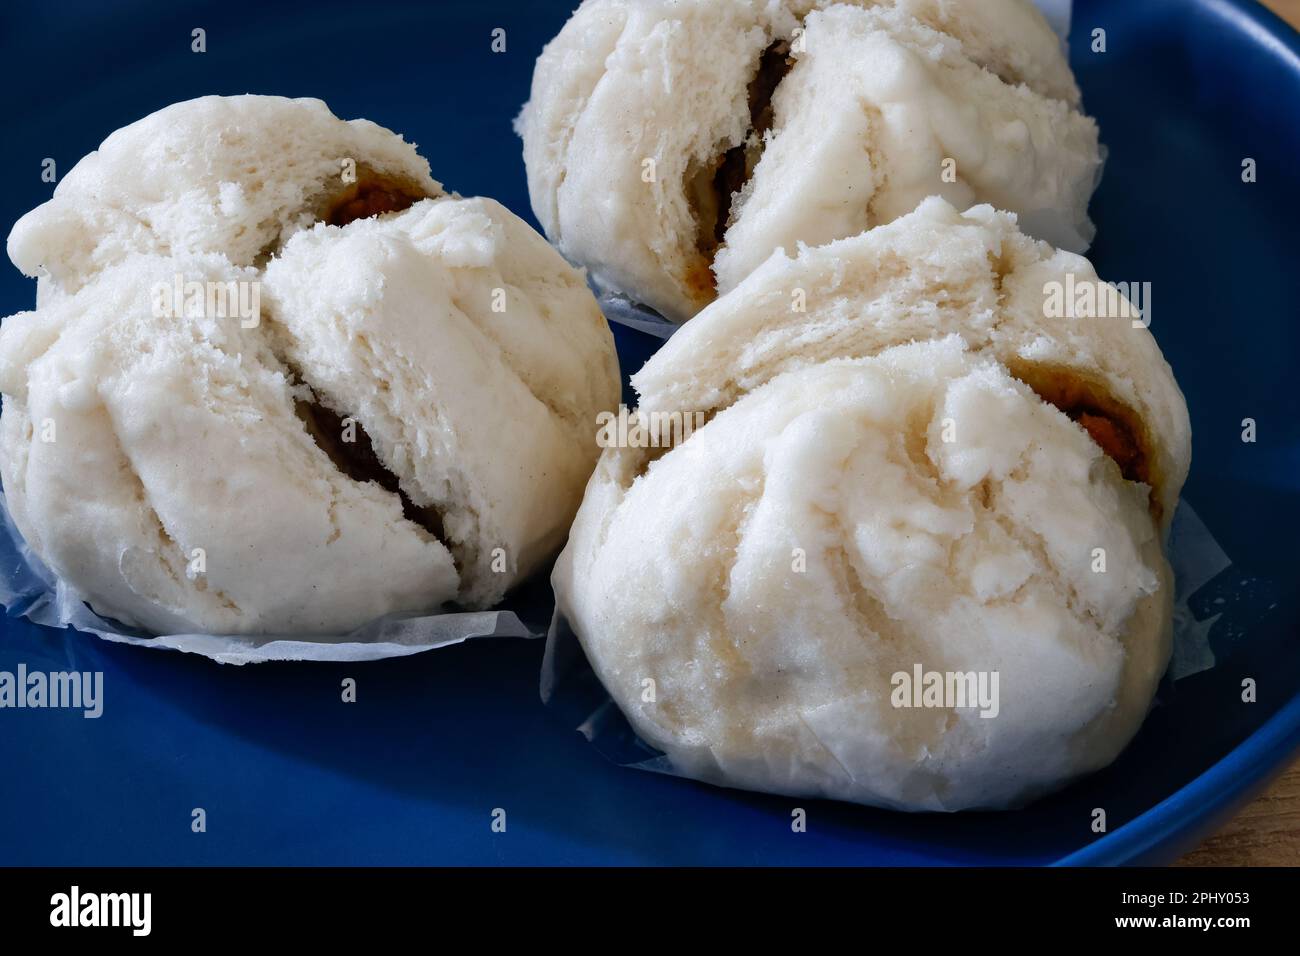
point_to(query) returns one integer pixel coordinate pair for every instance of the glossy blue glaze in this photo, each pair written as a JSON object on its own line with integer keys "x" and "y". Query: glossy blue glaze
{"x": 412, "y": 772}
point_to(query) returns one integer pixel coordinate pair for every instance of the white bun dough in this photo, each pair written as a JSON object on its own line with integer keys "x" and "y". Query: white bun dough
{"x": 235, "y": 175}
{"x": 671, "y": 147}
{"x": 409, "y": 424}
{"x": 880, "y": 486}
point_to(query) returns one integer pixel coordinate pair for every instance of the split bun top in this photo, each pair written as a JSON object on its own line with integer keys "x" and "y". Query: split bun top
{"x": 671, "y": 147}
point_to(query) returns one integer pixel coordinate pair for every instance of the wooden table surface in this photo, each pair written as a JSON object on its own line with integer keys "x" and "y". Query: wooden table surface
{"x": 1286, "y": 9}
{"x": 1266, "y": 832}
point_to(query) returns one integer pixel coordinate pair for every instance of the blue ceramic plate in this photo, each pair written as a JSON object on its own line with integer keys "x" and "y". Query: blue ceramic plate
{"x": 412, "y": 772}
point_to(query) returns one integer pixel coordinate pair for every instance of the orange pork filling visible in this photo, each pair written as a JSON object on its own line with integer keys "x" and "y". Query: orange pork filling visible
{"x": 373, "y": 194}
{"x": 710, "y": 186}
{"x": 1110, "y": 423}
{"x": 1115, "y": 440}
{"x": 358, "y": 459}
{"x": 364, "y": 200}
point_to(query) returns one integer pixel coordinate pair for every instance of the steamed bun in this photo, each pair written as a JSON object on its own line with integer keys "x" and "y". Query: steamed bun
{"x": 672, "y": 146}
{"x": 405, "y": 421}
{"x": 918, "y": 473}
{"x": 236, "y": 175}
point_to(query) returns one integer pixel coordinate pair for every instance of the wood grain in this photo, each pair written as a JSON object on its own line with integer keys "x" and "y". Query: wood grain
{"x": 1266, "y": 832}
{"x": 1288, "y": 10}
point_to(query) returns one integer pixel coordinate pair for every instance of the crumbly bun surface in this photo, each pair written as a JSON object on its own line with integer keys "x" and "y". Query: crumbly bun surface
{"x": 408, "y": 424}
{"x": 916, "y": 469}
{"x": 235, "y": 175}
{"x": 929, "y": 274}
{"x": 671, "y": 147}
